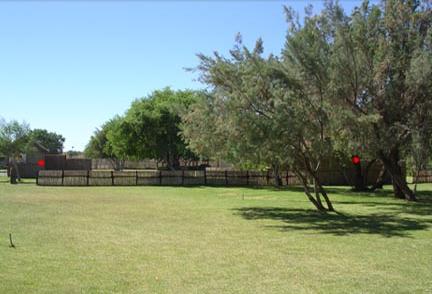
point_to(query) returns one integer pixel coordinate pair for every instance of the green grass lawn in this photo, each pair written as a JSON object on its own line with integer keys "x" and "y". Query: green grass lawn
{"x": 211, "y": 240}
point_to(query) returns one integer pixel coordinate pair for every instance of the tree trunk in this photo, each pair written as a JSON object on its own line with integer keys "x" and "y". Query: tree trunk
{"x": 380, "y": 180}
{"x": 276, "y": 175}
{"x": 314, "y": 173}
{"x": 359, "y": 180}
{"x": 361, "y": 176}
{"x": 323, "y": 192}
{"x": 15, "y": 166}
{"x": 13, "y": 177}
{"x": 327, "y": 199}
{"x": 415, "y": 181}
{"x": 172, "y": 160}
{"x": 344, "y": 174}
{"x": 317, "y": 204}
{"x": 120, "y": 164}
{"x": 366, "y": 172}
{"x": 318, "y": 188}
{"x": 114, "y": 164}
{"x": 400, "y": 186}
{"x": 317, "y": 193}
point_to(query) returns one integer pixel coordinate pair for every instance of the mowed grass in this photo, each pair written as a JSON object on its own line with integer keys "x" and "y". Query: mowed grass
{"x": 211, "y": 240}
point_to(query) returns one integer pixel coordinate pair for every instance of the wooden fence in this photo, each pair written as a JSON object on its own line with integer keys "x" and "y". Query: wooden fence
{"x": 424, "y": 176}
{"x": 102, "y": 163}
{"x": 191, "y": 177}
{"x": 160, "y": 178}
{"x": 28, "y": 170}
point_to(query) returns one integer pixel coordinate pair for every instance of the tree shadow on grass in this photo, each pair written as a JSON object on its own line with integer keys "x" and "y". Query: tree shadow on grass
{"x": 331, "y": 190}
{"x": 387, "y": 225}
{"x": 421, "y": 207}
{"x": 347, "y": 191}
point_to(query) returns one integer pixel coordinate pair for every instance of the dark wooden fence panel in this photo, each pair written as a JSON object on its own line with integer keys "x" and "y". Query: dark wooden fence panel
{"x": 171, "y": 178}
{"x": 424, "y": 176}
{"x": 192, "y": 177}
{"x": 50, "y": 178}
{"x": 28, "y": 170}
{"x": 124, "y": 178}
{"x": 100, "y": 178}
{"x": 75, "y": 178}
{"x": 149, "y": 178}
{"x": 216, "y": 178}
{"x": 55, "y": 162}
{"x": 78, "y": 164}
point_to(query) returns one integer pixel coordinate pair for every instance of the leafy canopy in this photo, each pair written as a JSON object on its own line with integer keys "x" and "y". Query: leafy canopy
{"x": 14, "y": 137}
{"x": 149, "y": 129}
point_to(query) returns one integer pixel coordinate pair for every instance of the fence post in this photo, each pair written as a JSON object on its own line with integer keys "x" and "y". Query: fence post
{"x": 247, "y": 178}
{"x": 88, "y": 175}
{"x": 226, "y": 178}
{"x": 287, "y": 178}
{"x": 62, "y": 177}
{"x": 112, "y": 178}
{"x": 160, "y": 178}
{"x": 182, "y": 177}
{"x": 205, "y": 176}
{"x": 267, "y": 177}
{"x": 136, "y": 178}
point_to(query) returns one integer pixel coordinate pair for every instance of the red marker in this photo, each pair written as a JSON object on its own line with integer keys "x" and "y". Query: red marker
{"x": 355, "y": 159}
{"x": 41, "y": 163}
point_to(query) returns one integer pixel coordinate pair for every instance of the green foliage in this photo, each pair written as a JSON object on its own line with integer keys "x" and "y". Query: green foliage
{"x": 14, "y": 137}
{"x": 236, "y": 121}
{"x": 99, "y": 146}
{"x": 345, "y": 84}
{"x": 50, "y": 140}
{"x": 382, "y": 81}
{"x": 265, "y": 111}
{"x": 199, "y": 129}
{"x": 151, "y": 126}
{"x": 149, "y": 129}
{"x": 376, "y": 73}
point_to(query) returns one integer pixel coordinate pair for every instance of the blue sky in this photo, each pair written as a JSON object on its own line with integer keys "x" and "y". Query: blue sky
{"x": 70, "y": 66}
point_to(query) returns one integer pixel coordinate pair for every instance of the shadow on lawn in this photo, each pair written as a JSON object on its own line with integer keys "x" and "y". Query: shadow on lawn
{"x": 343, "y": 190}
{"x": 419, "y": 208}
{"x": 387, "y": 203}
{"x": 331, "y": 190}
{"x": 388, "y": 225}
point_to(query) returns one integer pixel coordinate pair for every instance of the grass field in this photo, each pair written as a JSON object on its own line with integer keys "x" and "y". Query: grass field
{"x": 211, "y": 240}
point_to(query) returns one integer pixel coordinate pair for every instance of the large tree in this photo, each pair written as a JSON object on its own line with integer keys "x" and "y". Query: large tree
{"x": 307, "y": 56}
{"x": 100, "y": 146}
{"x": 49, "y": 140}
{"x": 14, "y": 137}
{"x": 260, "y": 110}
{"x": 382, "y": 79}
{"x": 150, "y": 128}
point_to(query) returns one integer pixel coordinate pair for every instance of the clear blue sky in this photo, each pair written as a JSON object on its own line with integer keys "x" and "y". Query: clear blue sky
{"x": 70, "y": 66}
